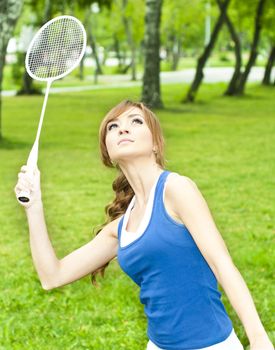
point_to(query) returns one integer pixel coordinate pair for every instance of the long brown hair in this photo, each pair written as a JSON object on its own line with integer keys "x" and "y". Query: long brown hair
{"x": 123, "y": 191}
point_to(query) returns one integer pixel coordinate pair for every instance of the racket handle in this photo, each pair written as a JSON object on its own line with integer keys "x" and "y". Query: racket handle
{"x": 24, "y": 196}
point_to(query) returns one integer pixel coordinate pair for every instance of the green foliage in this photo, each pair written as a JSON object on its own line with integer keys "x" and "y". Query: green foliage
{"x": 184, "y": 19}
{"x": 182, "y": 24}
{"x": 88, "y": 3}
{"x": 17, "y": 68}
{"x": 224, "y": 58}
{"x": 226, "y": 146}
{"x": 134, "y": 11}
{"x": 268, "y": 23}
{"x": 242, "y": 14}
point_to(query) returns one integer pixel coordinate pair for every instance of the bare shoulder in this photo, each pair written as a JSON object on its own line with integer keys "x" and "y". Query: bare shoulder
{"x": 178, "y": 185}
{"x": 175, "y": 180}
{"x": 112, "y": 227}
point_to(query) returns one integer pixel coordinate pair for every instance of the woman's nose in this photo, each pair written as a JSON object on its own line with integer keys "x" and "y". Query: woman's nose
{"x": 122, "y": 130}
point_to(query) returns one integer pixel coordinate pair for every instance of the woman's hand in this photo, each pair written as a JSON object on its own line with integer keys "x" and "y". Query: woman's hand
{"x": 261, "y": 343}
{"x": 29, "y": 180}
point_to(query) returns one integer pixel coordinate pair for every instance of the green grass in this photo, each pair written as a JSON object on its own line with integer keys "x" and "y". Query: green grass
{"x": 225, "y": 145}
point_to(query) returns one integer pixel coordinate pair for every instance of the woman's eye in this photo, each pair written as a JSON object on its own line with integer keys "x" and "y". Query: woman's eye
{"x": 110, "y": 126}
{"x": 140, "y": 122}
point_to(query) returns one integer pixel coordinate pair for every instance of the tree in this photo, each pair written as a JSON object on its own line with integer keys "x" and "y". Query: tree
{"x": 151, "y": 94}
{"x": 245, "y": 14}
{"x": 180, "y": 28}
{"x": 28, "y": 11}
{"x": 91, "y": 40}
{"x": 253, "y": 51}
{"x": 191, "y": 94}
{"x": 127, "y": 18}
{"x": 269, "y": 36}
{"x": 268, "y": 67}
{"x": 35, "y": 13}
{"x": 9, "y": 13}
{"x": 238, "y": 53}
{"x": 91, "y": 11}
{"x": 128, "y": 22}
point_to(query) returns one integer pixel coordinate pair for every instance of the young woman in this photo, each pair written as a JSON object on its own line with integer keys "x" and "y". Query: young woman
{"x": 162, "y": 232}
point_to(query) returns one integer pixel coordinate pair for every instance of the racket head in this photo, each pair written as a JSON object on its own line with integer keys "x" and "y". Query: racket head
{"x": 50, "y": 58}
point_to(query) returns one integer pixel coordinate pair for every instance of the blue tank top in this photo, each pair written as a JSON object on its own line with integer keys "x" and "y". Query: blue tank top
{"x": 177, "y": 287}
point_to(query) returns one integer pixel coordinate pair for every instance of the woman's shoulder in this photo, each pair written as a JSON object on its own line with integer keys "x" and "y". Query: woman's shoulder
{"x": 179, "y": 186}
{"x": 175, "y": 179}
{"x": 113, "y": 226}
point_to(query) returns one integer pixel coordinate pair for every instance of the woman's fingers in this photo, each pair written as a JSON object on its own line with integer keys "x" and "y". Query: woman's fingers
{"x": 25, "y": 180}
{"x": 28, "y": 170}
{"x": 26, "y": 177}
{"x": 25, "y": 169}
{"x": 23, "y": 186}
{"x": 30, "y": 175}
{"x": 28, "y": 181}
{"x": 25, "y": 183}
{"x": 17, "y": 188}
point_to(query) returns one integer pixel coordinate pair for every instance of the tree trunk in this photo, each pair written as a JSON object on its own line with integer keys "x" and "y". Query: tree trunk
{"x": 176, "y": 52}
{"x": 2, "y": 63}
{"x": 237, "y": 48}
{"x": 253, "y": 51}
{"x": 140, "y": 54}
{"x": 9, "y": 13}
{"x": 168, "y": 52}
{"x": 117, "y": 50}
{"x": 81, "y": 69}
{"x": 268, "y": 67}
{"x": 105, "y": 55}
{"x": 47, "y": 11}
{"x": 127, "y": 25}
{"x": 93, "y": 46}
{"x": 91, "y": 40}
{"x": 27, "y": 88}
{"x": 151, "y": 94}
{"x": 133, "y": 64}
{"x": 27, "y": 82}
{"x": 191, "y": 94}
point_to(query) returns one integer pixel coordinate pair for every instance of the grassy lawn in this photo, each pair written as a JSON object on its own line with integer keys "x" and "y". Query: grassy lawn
{"x": 225, "y": 145}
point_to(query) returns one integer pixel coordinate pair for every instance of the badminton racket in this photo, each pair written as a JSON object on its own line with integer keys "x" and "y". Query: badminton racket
{"x": 56, "y": 49}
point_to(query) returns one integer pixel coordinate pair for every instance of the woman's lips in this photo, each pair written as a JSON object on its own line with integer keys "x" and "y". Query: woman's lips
{"x": 125, "y": 140}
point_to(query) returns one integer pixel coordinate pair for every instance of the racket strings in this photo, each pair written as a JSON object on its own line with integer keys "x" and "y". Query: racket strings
{"x": 56, "y": 49}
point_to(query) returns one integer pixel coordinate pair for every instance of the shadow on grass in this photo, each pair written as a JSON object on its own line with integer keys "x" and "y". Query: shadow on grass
{"x": 246, "y": 96}
{"x": 177, "y": 110}
{"x": 6, "y": 143}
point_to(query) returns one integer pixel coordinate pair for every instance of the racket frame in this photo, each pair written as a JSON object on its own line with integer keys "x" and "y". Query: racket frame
{"x": 35, "y": 38}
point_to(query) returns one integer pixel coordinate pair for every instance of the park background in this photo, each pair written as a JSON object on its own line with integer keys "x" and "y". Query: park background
{"x": 205, "y": 68}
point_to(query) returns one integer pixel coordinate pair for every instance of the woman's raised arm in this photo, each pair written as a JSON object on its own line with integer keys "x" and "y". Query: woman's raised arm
{"x": 53, "y": 272}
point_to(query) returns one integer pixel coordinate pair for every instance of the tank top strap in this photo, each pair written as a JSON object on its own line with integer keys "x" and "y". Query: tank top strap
{"x": 157, "y": 198}
{"x": 119, "y": 228}
{"x": 159, "y": 189}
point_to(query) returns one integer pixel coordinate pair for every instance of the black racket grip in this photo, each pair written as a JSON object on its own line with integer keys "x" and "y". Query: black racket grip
{"x": 24, "y": 199}
{"x": 24, "y": 196}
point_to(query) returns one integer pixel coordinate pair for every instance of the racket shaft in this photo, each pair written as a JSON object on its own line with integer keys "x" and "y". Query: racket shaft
{"x": 24, "y": 196}
{"x": 43, "y": 111}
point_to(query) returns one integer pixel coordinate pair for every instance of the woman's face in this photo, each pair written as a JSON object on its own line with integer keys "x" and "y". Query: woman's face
{"x": 129, "y": 125}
